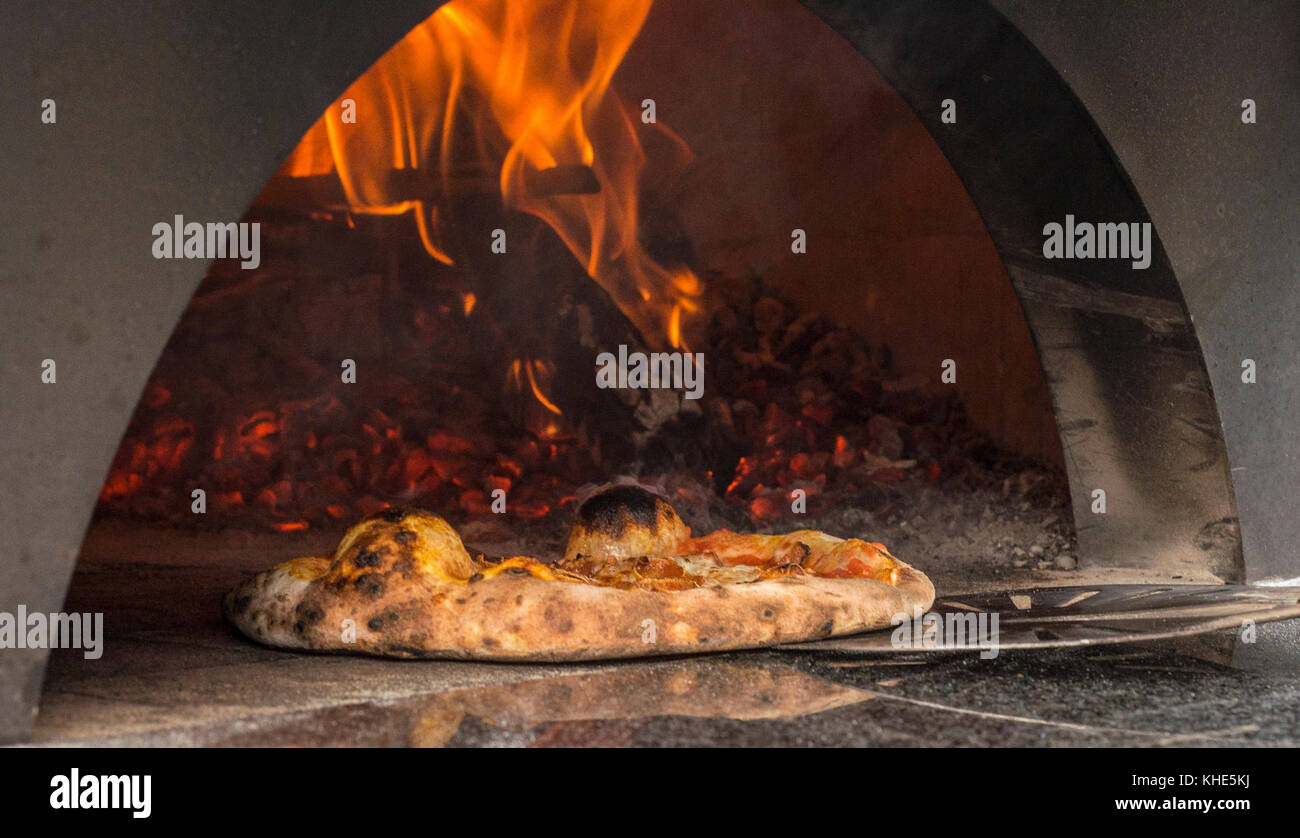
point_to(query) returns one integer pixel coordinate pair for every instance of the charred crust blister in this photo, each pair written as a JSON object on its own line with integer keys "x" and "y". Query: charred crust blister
{"x": 394, "y": 515}
{"x": 366, "y": 558}
{"x": 404, "y": 537}
{"x": 370, "y": 584}
{"x": 613, "y": 510}
{"x": 376, "y": 624}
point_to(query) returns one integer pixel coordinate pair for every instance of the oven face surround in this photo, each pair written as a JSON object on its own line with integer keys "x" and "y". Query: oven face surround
{"x": 139, "y": 139}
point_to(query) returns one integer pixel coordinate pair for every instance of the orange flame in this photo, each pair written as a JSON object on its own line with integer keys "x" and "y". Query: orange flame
{"x": 491, "y": 91}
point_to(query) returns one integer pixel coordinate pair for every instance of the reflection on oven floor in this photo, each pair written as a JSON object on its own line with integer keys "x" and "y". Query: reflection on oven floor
{"x": 1210, "y": 690}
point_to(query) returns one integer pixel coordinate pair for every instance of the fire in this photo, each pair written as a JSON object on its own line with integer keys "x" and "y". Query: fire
{"x": 530, "y": 375}
{"x": 495, "y": 92}
{"x": 514, "y": 98}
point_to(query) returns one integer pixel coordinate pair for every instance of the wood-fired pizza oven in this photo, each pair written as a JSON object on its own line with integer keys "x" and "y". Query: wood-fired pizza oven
{"x": 829, "y": 217}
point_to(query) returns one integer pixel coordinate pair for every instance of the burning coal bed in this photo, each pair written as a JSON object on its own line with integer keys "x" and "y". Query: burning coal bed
{"x": 802, "y": 423}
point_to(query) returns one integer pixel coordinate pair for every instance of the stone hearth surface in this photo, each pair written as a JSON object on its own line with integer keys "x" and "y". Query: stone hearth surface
{"x": 173, "y": 674}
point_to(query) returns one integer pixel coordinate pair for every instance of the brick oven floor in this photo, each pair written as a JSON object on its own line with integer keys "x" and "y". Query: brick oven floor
{"x": 173, "y": 674}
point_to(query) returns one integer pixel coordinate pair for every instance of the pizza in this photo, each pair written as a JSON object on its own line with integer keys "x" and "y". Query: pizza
{"x": 632, "y": 582}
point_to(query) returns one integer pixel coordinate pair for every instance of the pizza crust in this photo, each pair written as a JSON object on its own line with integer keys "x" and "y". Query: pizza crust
{"x": 397, "y": 587}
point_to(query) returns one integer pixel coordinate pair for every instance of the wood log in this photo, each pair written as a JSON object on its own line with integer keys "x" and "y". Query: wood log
{"x": 325, "y": 192}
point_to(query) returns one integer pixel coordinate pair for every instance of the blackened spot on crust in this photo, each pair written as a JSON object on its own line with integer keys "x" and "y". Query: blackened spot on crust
{"x": 477, "y": 577}
{"x": 826, "y": 629}
{"x": 519, "y": 599}
{"x": 367, "y": 558}
{"x": 518, "y": 571}
{"x": 807, "y": 551}
{"x": 557, "y": 621}
{"x": 300, "y": 626}
{"x": 612, "y": 510}
{"x": 767, "y": 613}
{"x": 490, "y": 642}
{"x": 394, "y": 515}
{"x": 309, "y": 613}
{"x": 376, "y": 624}
{"x": 370, "y": 584}
{"x": 404, "y": 537}
{"x": 403, "y": 566}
